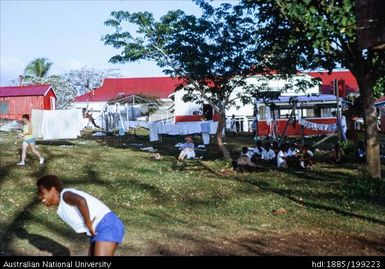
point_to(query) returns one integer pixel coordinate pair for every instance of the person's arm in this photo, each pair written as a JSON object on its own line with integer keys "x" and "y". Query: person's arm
{"x": 81, "y": 203}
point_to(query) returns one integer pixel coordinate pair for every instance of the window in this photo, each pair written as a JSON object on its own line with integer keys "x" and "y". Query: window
{"x": 309, "y": 113}
{"x": 4, "y": 108}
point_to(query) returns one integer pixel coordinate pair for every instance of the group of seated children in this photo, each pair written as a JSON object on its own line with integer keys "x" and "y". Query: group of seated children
{"x": 289, "y": 155}
{"x": 286, "y": 155}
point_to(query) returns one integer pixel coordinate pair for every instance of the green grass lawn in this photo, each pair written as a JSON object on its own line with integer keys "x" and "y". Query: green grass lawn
{"x": 197, "y": 207}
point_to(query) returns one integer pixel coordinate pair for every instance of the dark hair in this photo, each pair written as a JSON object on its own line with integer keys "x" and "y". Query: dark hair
{"x": 245, "y": 150}
{"x": 25, "y": 116}
{"x": 50, "y": 181}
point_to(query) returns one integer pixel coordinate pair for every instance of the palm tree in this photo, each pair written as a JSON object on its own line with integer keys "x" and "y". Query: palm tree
{"x": 37, "y": 69}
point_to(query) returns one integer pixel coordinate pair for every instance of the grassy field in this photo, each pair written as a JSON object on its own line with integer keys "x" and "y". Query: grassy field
{"x": 196, "y": 207}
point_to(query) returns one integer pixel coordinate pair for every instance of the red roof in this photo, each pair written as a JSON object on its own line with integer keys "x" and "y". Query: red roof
{"x": 351, "y": 84}
{"x": 380, "y": 100}
{"x": 29, "y": 90}
{"x": 159, "y": 87}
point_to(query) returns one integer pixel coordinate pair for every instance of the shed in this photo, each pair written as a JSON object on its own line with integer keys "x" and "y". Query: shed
{"x": 18, "y": 100}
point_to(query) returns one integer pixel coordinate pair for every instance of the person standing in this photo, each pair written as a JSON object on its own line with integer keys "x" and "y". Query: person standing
{"x": 233, "y": 125}
{"x": 28, "y": 141}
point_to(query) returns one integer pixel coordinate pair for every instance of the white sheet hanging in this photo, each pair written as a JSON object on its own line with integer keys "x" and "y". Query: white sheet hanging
{"x": 57, "y": 124}
{"x": 182, "y": 128}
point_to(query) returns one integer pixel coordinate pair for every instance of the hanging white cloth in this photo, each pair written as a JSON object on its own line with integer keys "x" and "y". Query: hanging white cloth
{"x": 57, "y": 124}
{"x": 318, "y": 126}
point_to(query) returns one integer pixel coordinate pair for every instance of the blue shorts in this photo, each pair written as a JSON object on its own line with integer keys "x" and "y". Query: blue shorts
{"x": 109, "y": 229}
{"x": 30, "y": 141}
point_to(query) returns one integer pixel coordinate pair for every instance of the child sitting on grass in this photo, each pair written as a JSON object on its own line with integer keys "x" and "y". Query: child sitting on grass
{"x": 244, "y": 163}
{"x": 84, "y": 213}
{"x": 337, "y": 154}
{"x": 187, "y": 149}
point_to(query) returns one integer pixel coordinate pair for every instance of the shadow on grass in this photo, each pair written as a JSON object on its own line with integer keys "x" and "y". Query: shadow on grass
{"x": 43, "y": 243}
{"x": 289, "y": 194}
{"x": 307, "y": 201}
{"x": 165, "y": 148}
{"x": 4, "y": 172}
{"x": 55, "y": 143}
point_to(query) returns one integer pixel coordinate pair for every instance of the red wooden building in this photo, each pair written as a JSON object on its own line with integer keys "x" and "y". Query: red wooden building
{"x": 18, "y": 100}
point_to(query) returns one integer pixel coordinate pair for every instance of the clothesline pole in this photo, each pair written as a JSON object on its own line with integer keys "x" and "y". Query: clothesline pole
{"x": 288, "y": 122}
{"x": 339, "y": 129}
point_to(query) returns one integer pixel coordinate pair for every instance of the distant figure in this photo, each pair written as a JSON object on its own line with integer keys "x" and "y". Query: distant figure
{"x": 337, "y": 154}
{"x": 254, "y": 128}
{"x": 361, "y": 152}
{"x": 344, "y": 127}
{"x": 293, "y": 154}
{"x": 233, "y": 125}
{"x": 84, "y": 213}
{"x": 28, "y": 141}
{"x": 187, "y": 149}
{"x": 268, "y": 155}
{"x": 275, "y": 147}
{"x": 281, "y": 157}
{"x": 258, "y": 150}
{"x": 306, "y": 157}
{"x": 244, "y": 163}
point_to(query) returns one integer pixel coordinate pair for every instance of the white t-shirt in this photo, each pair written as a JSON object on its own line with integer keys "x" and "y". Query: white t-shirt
{"x": 281, "y": 162}
{"x": 311, "y": 154}
{"x": 259, "y": 152}
{"x": 291, "y": 152}
{"x": 72, "y": 216}
{"x": 268, "y": 155}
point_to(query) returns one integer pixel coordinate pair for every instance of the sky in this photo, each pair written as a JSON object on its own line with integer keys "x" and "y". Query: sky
{"x": 69, "y": 34}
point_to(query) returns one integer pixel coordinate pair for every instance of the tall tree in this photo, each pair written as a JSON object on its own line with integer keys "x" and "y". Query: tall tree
{"x": 313, "y": 34}
{"x": 37, "y": 71}
{"x": 65, "y": 92}
{"x": 211, "y": 54}
{"x": 38, "y": 68}
{"x": 87, "y": 79}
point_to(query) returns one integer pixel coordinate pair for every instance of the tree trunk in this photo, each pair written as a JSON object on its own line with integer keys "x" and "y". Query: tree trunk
{"x": 221, "y": 126}
{"x": 371, "y": 131}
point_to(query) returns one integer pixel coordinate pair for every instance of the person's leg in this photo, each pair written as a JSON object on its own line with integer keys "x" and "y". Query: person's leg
{"x": 104, "y": 248}
{"x": 41, "y": 159}
{"x": 35, "y": 151}
{"x": 23, "y": 153}
{"x": 182, "y": 154}
{"x": 91, "y": 249}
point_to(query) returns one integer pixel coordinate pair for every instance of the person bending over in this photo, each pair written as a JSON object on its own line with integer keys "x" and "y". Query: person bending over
{"x": 84, "y": 213}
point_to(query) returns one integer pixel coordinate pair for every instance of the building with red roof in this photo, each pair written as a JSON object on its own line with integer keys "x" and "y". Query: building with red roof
{"x": 18, "y": 100}
{"x": 158, "y": 87}
{"x": 347, "y": 82}
{"x": 96, "y": 100}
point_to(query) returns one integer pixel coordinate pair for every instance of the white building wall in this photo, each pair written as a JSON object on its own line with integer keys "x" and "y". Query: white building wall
{"x": 278, "y": 84}
{"x": 184, "y": 108}
{"x": 239, "y": 109}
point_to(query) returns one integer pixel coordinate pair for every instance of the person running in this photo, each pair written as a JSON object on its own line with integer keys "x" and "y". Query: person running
{"x": 28, "y": 141}
{"x": 84, "y": 213}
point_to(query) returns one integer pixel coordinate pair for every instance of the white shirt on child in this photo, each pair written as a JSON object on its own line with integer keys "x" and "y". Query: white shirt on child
{"x": 259, "y": 152}
{"x": 268, "y": 155}
{"x": 281, "y": 162}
